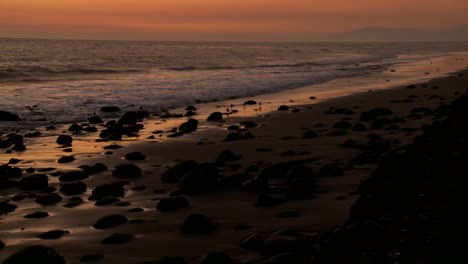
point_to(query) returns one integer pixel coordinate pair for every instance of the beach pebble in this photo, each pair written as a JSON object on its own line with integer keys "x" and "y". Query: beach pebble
{"x": 250, "y": 102}
{"x": 176, "y": 172}
{"x": 190, "y": 108}
{"x": 35, "y": 254}
{"x": 190, "y": 126}
{"x": 227, "y": 156}
{"x": 73, "y": 176}
{"x": 66, "y": 159}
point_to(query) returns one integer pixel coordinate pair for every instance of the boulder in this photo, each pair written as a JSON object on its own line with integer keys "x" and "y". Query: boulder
{"x": 66, "y": 159}
{"x": 73, "y": 176}
{"x": 75, "y": 128}
{"x": 190, "y": 126}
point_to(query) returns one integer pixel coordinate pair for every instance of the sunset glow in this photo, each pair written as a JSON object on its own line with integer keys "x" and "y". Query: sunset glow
{"x": 221, "y": 19}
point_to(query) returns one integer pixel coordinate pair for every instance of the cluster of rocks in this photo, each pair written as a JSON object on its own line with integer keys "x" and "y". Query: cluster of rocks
{"x": 409, "y": 209}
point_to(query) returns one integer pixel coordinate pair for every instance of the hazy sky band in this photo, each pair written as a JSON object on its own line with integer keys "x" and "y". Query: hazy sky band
{"x": 221, "y": 19}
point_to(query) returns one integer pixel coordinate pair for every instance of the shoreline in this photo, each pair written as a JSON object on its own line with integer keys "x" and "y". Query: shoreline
{"x": 274, "y": 142}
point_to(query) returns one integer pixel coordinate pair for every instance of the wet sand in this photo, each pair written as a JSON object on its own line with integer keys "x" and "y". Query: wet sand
{"x": 279, "y": 137}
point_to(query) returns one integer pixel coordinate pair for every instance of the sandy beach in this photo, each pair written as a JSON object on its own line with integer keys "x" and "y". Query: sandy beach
{"x": 258, "y": 170}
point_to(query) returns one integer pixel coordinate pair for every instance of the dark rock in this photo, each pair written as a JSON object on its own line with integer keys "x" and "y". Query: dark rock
{"x": 73, "y": 176}
{"x": 227, "y": 156}
{"x": 93, "y": 169}
{"x": 175, "y": 173}
{"x": 197, "y": 224}
{"x": 106, "y": 201}
{"x": 190, "y": 113}
{"x": 250, "y": 102}
{"x": 172, "y": 203}
{"x": 110, "y": 221}
{"x": 359, "y": 127}
{"x": 216, "y": 258}
{"x": 34, "y": 182}
{"x": 167, "y": 260}
{"x": 54, "y": 234}
{"x": 6, "y": 207}
{"x": 117, "y": 238}
{"x": 19, "y": 147}
{"x": 127, "y": 171}
{"x": 95, "y": 120}
{"x": 188, "y": 127}
{"x": 135, "y": 156}
{"x": 216, "y": 116}
{"x": 310, "y": 134}
{"x": 91, "y": 258}
{"x": 190, "y": 108}
{"x": 283, "y": 108}
{"x": 337, "y": 133}
{"x": 253, "y": 242}
{"x": 37, "y": 215}
{"x": 66, "y": 159}
{"x": 136, "y": 210}
{"x": 7, "y": 116}
{"x": 36, "y": 254}
{"x": 64, "y": 140}
{"x": 90, "y": 129}
{"x": 249, "y": 124}
{"x": 331, "y": 170}
{"x": 48, "y": 199}
{"x": 289, "y": 214}
{"x": 2, "y": 245}
{"x": 375, "y": 114}
{"x": 110, "y": 109}
{"x": 342, "y": 125}
{"x": 265, "y": 200}
{"x": 107, "y": 190}
{"x": 203, "y": 178}
{"x": 74, "y": 188}
{"x": 33, "y": 134}
{"x": 75, "y": 128}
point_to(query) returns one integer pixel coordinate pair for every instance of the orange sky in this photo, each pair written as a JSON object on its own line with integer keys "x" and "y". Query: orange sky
{"x": 220, "y": 19}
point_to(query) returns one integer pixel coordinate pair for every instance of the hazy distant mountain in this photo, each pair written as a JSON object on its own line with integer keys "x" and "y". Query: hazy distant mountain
{"x": 403, "y": 34}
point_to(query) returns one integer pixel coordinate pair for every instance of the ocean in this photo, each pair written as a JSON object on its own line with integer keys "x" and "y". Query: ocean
{"x": 64, "y": 81}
